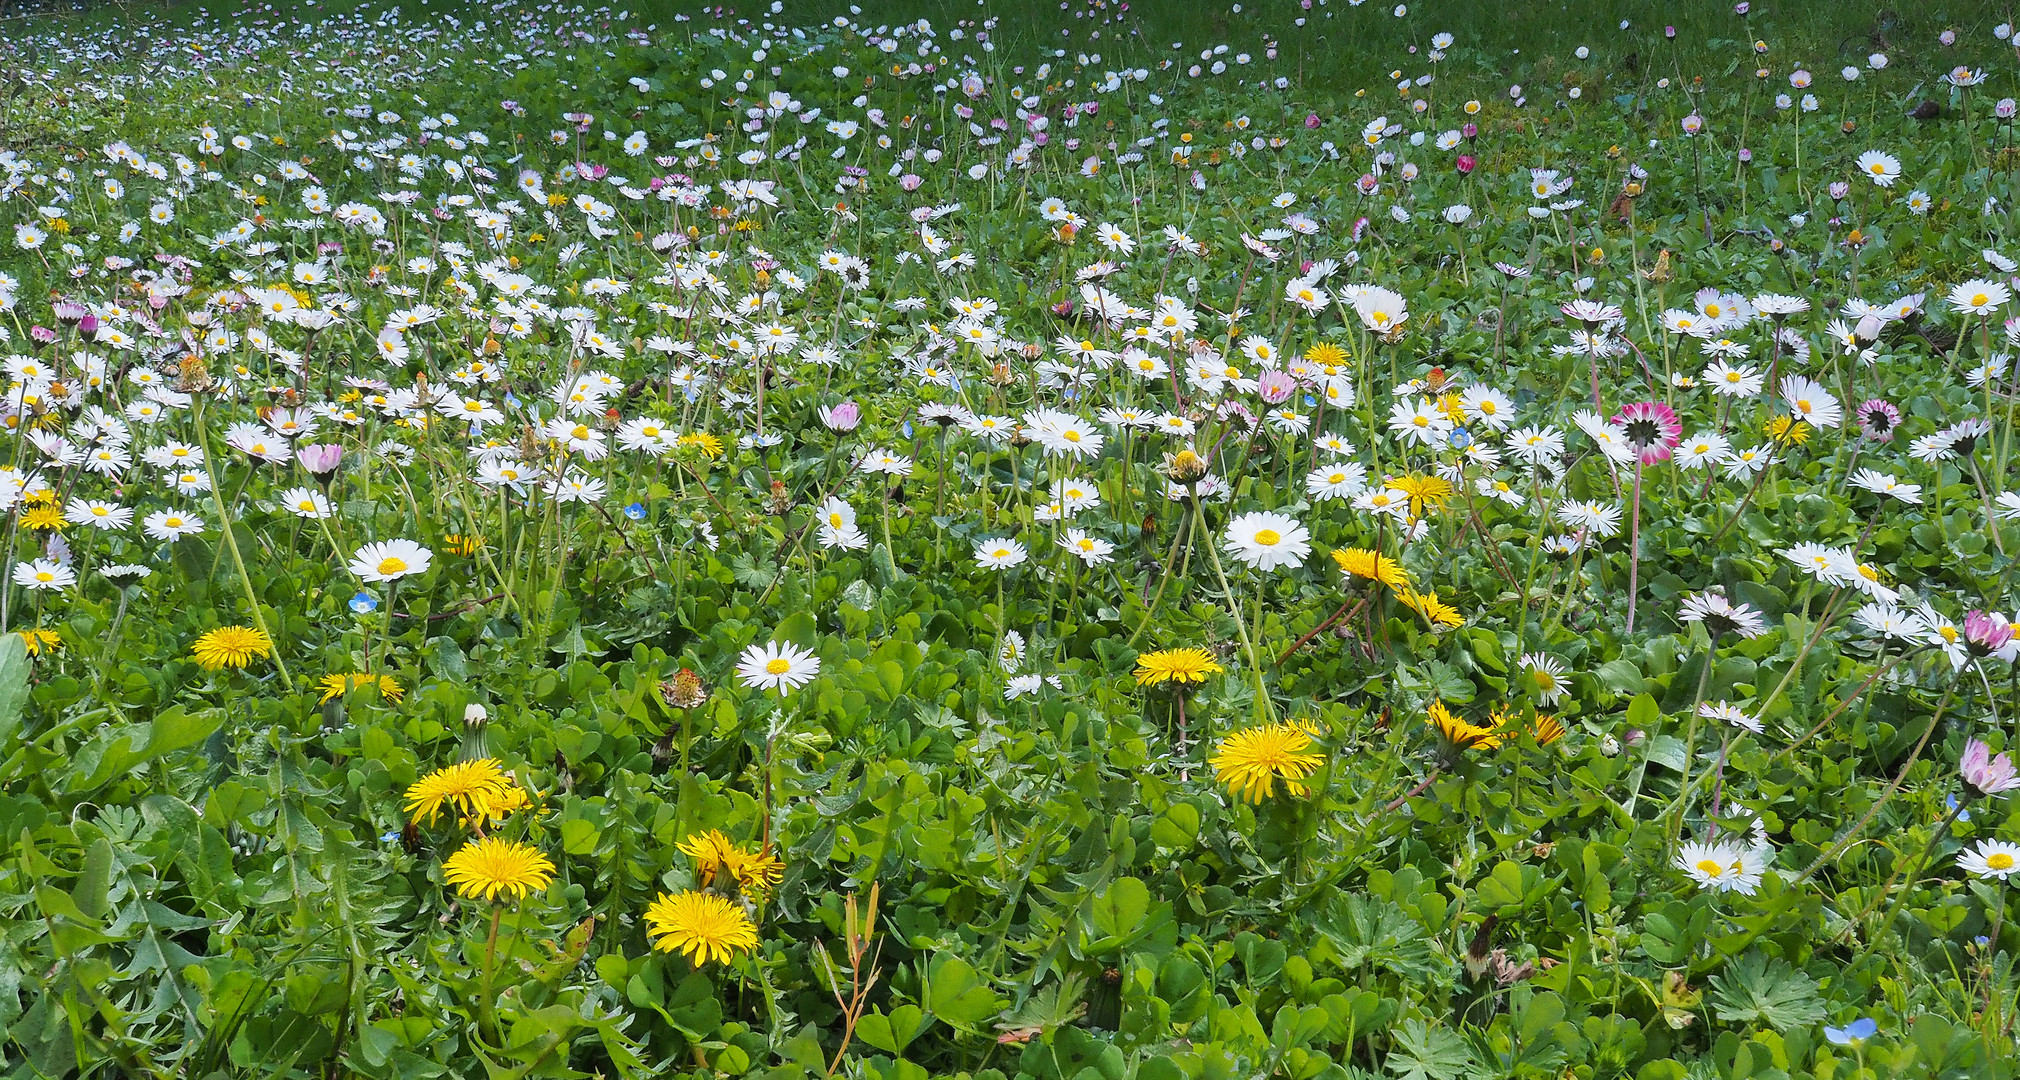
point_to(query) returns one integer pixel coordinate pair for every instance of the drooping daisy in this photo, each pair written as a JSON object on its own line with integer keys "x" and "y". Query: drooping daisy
{"x": 1266, "y": 540}
{"x": 780, "y": 666}
{"x": 1731, "y": 714}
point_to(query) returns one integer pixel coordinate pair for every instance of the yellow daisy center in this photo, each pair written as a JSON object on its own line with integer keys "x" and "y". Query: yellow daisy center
{"x": 778, "y": 666}
{"x": 392, "y": 564}
{"x": 1268, "y": 538}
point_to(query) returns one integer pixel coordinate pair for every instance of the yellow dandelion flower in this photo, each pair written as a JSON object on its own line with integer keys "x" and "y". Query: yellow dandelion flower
{"x": 1422, "y": 490}
{"x": 757, "y": 873}
{"x": 1175, "y": 665}
{"x": 511, "y": 802}
{"x": 44, "y": 518}
{"x": 231, "y": 647}
{"x": 703, "y": 441}
{"x": 335, "y": 686}
{"x": 1458, "y": 731}
{"x": 1788, "y": 431}
{"x": 464, "y": 546}
{"x": 1252, "y": 760}
{"x": 1326, "y": 354}
{"x": 39, "y": 641}
{"x": 1372, "y": 566}
{"x": 1439, "y": 614}
{"x": 487, "y": 868}
{"x": 711, "y": 852}
{"x": 471, "y": 787}
{"x": 701, "y": 926}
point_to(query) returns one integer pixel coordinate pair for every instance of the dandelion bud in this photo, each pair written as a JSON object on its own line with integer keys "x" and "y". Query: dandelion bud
{"x": 475, "y": 716}
{"x": 684, "y": 691}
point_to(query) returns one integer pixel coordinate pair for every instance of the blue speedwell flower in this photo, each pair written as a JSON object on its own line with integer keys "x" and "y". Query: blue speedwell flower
{"x": 1854, "y": 1033}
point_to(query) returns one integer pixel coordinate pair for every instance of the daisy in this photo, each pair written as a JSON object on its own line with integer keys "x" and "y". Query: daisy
{"x": 1809, "y": 401}
{"x": 100, "y": 515}
{"x": 1545, "y": 675}
{"x": 1721, "y": 616}
{"x": 1704, "y": 449}
{"x": 1729, "y": 380}
{"x": 999, "y": 554}
{"x": 1266, "y": 540}
{"x": 1882, "y": 168}
{"x": 44, "y": 574}
{"x": 1090, "y": 550}
{"x": 1880, "y": 483}
{"x": 390, "y": 560}
{"x": 1338, "y": 481}
{"x": 1731, "y": 714}
{"x": 776, "y": 666}
{"x": 1990, "y": 859}
{"x": 306, "y": 502}
{"x": 171, "y": 524}
{"x": 1722, "y": 867}
{"x": 1979, "y": 297}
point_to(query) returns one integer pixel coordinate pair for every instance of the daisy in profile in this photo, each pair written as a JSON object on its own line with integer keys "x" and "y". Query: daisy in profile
{"x": 1723, "y": 867}
{"x": 999, "y": 554}
{"x": 1731, "y": 714}
{"x": 1250, "y": 762}
{"x": 488, "y": 868}
{"x": 1721, "y": 616}
{"x": 1990, "y": 859}
{"x": 701, "y": 926}
{"x": 390, "y": 560}
{"x": 1267, "y": 541}
{"x": 230, "y": 647}
{"x": 784, "y": 667}
{"x": 1181, "y": 666}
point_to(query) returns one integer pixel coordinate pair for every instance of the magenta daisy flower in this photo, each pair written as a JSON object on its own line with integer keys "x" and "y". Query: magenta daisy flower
{"x": 1652, "y": 430}
{"x": 1877, "y": 419}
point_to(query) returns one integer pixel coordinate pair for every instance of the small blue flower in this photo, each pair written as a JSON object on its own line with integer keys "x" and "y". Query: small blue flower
{"x": 1854, "y": 1033}
{"x": 1950, "y": 803}
{"x": 1310, "y": 401}
{"x": 908, "y": 429}
{"x": 636, "y": 511}
{"x": 389, "y": 837}
{"x": 364, "y": 603}
{"x": 511, "y": 399}
{"x": 1460, "y": 438}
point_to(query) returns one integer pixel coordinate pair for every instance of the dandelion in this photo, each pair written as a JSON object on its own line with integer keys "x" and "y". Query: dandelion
{"x": 231, "y": 647}
{"x": 336, "y": 685}
{"x": 1372, "y": 566}
{"x": 1462, "y": 734}
{"x": 1180, "y": 666}
{"x": 487, "y": 868}
{"x": 703, "y": 927}
{"x": 1252, "y": 760}
{"x": 471, "y": 788}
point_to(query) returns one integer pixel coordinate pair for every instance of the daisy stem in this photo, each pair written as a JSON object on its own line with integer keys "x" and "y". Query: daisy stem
{"x": 1921, "y": 863}
{"x": 1248, "y": 643}
{"x": 1648, "y": 737}
{"x": 1633, "y": 548}
{"x": 238, "y": 560}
